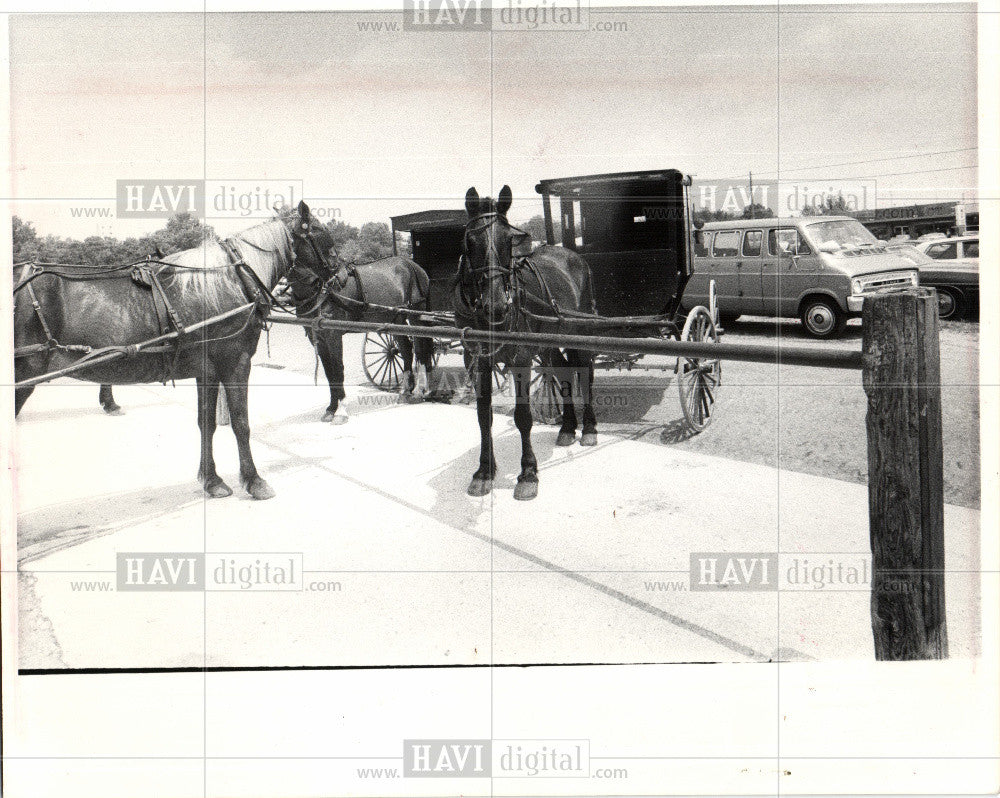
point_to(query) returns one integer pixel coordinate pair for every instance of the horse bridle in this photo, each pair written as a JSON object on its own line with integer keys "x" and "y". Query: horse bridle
{"x": 303, "y": 232}
{"x": 507, "y": 270}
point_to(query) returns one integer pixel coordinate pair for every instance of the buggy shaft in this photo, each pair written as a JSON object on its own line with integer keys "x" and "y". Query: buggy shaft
{"x": 128, "y": 350}
{"x": 752, "y": 353}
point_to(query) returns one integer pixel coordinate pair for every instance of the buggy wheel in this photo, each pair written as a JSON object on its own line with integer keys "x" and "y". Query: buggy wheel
{"x": 500, "y": 377}
{"x": 698, "y": 378}
{"x": 438, "y": 348}
{"x": 542, "y": 397}
{"x": 382, "y": 361}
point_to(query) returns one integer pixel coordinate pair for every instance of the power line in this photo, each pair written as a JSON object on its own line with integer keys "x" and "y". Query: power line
{"x": 900, "y": 174}
{"x": 885, "y": 174}
{"x": 873, "y": 160}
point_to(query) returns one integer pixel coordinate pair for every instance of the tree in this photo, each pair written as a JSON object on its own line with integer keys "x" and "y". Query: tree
{"x": 535, "y": 226}
{"x": 829, "y": 207}
{"x": 98, "y": 250}
{"x": 341, "y": 232}
{"x": 183, "y": 231}
{"x": 25, "y": 241}
{"x": 757, "y": 211}
{"x": 374, "y": 241}
{"x": 705, "y": 215}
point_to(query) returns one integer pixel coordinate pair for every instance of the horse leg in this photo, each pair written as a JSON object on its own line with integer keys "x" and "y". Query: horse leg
{"x": 464, "y": 395}
{"x": 24, "y": 369}
{"x": 208, "y": 394}
{"x": 107, "y": 400}
{"x": 405, "y": 345}
{"x": 237, "y": 391}
{"x": 583, "y": 363}
{"x": 20, "y": 397}
{"x": 423, "y": 349}
{"x": 563, "y": 376}
{"x": 330, "y": 349}
{"x": 527, "y": 480}
{"x": 482, "y": 479}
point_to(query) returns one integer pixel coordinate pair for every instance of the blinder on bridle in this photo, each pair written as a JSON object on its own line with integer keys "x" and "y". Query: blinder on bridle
{"x": 476, "y": 282}
{"x": 302, "y": 233}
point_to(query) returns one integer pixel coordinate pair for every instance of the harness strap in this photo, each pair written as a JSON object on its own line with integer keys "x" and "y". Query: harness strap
{"x": 50, "y": 340}
{"x": 255, "y": 289}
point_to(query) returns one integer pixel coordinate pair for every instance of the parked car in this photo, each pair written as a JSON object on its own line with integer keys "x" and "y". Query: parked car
{"x": 816, "y": 268}
{"x": 951, "y": 265}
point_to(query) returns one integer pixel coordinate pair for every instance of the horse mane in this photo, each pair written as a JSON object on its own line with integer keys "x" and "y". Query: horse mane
{"x": 207, "y": 271}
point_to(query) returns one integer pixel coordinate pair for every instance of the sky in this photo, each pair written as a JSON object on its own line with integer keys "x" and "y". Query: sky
{"x": 375, "y": 123}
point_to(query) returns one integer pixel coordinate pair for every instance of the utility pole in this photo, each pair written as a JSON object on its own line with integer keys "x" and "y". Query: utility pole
{"x": 751, "y": 197}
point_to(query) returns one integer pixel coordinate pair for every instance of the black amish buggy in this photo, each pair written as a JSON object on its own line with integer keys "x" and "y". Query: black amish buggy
{"x": 635, "y": 232}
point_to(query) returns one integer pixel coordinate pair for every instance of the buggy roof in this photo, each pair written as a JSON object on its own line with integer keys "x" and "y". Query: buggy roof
{"x": 426, "y": 221}
{"x": 651, "y": 183}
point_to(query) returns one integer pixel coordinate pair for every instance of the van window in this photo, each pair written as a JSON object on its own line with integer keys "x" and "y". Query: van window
{"x": 787, "y": 241}
{"x": 702, "y": 243}
{"x": 727, "y": 243}
{"x": 971, "y": 249}
{"x": 751, "y": 243}
{"x": 942, "y": 251}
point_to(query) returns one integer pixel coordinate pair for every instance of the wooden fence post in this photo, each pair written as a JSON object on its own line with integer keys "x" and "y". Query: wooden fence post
{"x": 902, "y": 377}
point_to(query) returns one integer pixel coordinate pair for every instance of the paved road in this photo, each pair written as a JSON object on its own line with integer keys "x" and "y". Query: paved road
{"x": 401, "y": 567}
{"x": 796, "y": 418}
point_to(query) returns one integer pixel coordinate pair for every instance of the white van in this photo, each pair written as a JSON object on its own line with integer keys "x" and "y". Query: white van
{"x": 816, "y": 268}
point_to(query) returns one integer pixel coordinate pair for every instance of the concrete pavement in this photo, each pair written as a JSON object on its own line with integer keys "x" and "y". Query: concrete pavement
{"x": 402, "y": 567}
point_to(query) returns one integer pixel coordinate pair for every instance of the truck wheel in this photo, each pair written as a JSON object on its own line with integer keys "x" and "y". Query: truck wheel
{"x": 822, "y": 318}
{"x": 949, "y": 303}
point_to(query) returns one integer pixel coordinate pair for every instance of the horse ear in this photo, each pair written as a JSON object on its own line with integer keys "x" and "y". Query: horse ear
{"x": 472, "y": 201}
{"x": 504, "y": 200}
{"x": 303, "y": 210}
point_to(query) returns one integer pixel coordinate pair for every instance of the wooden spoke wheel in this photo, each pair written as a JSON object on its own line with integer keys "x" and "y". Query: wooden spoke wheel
{"x": 382, "y": 361}
{"x": 500, "y": 377}
{"x": 698, "y": 378}
{"x": 543, "y": 397}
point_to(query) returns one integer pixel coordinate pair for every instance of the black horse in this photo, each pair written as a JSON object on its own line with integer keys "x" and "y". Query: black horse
{"x": 340, "y": 291}
{"x": 497, "y": 291}
{"x": 114, "y": 309}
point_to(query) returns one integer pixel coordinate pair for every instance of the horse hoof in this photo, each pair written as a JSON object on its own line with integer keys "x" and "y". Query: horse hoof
{"x": 480, "y": 487}
{"x": 565, "y": 439}
{"x": 588, "y": 439}
{"x": 328, "y": 417}
{"x": 525, "y": 491}
{"x": 218, "y": 489}
{"x": 260, "y": 490}
{"x": 114, "y": 410}
{"x": 338, "y": 420}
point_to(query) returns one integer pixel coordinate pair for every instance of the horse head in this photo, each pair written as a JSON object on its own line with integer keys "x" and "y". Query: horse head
{"x": 311, "y": 247}
{"x": 486, "y": 273}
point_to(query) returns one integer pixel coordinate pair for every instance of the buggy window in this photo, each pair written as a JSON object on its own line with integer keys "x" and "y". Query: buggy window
{"x": 752, "y": 242}
{"x": 971, "y": 249}
{"x": 727, "y": 244}
{"x": 404, "y": 243}
{"x": 786, "y": 241}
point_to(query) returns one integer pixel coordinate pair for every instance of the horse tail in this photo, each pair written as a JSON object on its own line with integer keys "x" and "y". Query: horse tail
{"x": 423, "y": 347}
{"x": 423, "y": 286}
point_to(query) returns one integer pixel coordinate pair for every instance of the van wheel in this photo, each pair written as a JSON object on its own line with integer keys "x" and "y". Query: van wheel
{"x": 822, "y": 318}
{"x": 725, "y": 319}
{"x": 949, "y": 304}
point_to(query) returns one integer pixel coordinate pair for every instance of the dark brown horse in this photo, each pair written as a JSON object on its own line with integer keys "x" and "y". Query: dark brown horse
{"x": 112, "y": 309}
{"x": 343, "y": 292}
{"x": 498, "y": 291}
{"x": 104, "y": 397}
